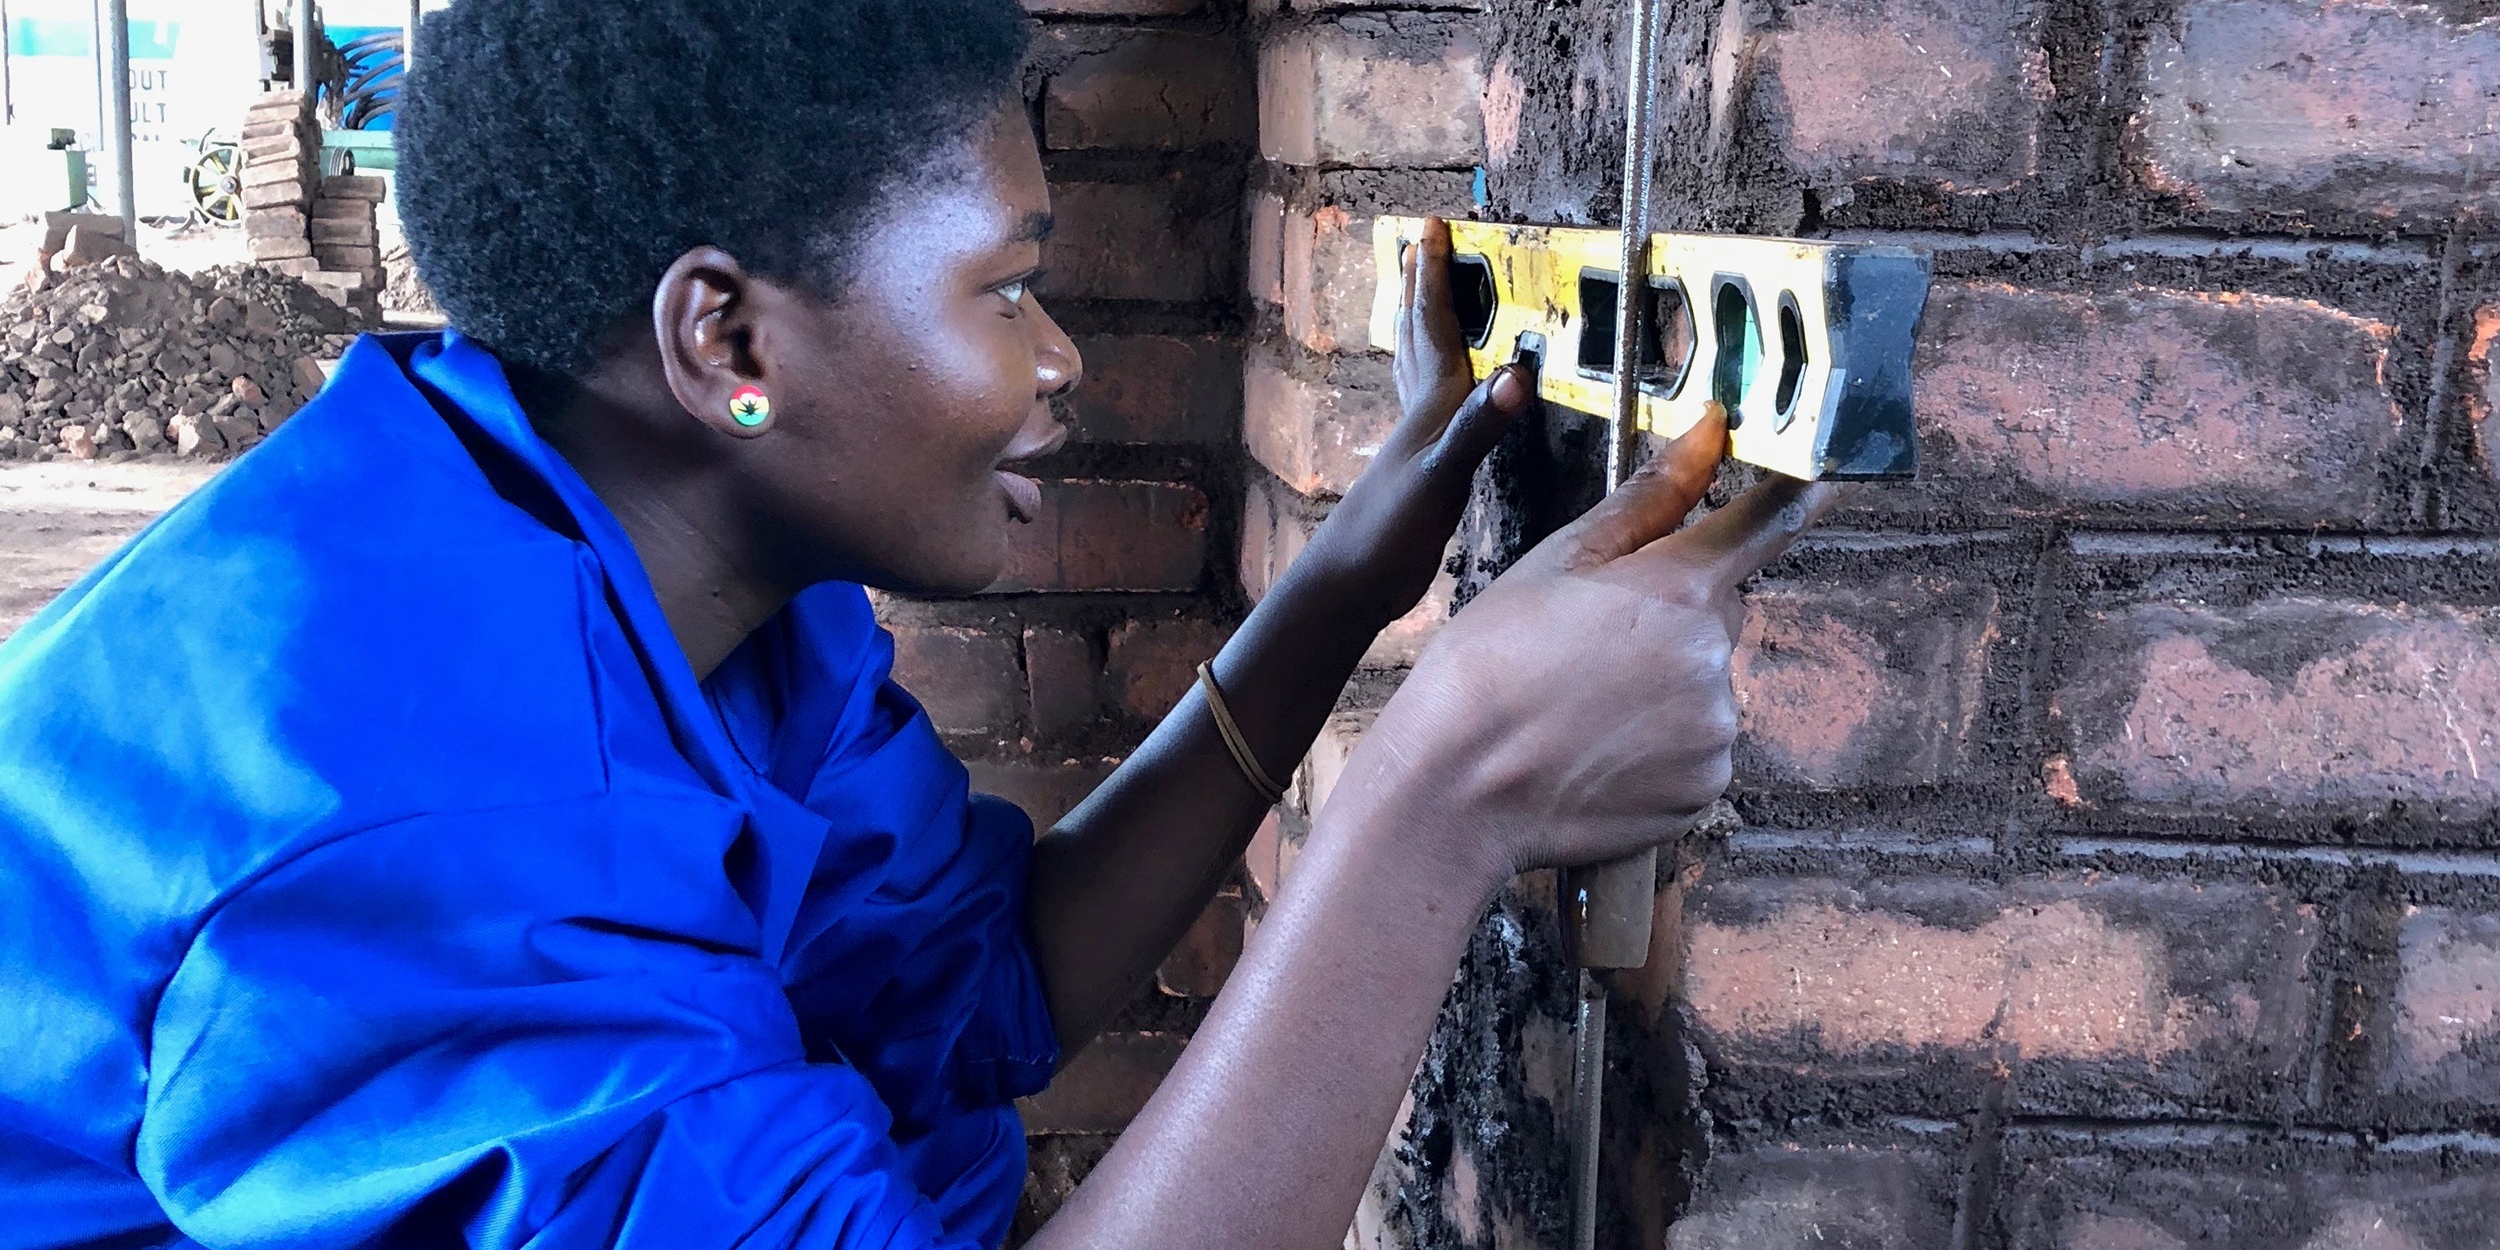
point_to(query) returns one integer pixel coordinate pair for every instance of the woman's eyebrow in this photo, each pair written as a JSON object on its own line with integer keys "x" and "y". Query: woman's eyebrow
{"x": 1035, "y": 227}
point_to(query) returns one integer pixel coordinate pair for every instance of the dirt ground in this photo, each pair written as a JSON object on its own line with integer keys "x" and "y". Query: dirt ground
{"x": 58, "y": 520}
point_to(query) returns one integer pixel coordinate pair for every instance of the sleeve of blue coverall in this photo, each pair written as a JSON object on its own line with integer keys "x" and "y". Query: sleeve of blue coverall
{"x": 543, "y": 1026}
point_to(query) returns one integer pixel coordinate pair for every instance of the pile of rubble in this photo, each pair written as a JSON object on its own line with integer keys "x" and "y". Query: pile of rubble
{"x": 121, "y": 358}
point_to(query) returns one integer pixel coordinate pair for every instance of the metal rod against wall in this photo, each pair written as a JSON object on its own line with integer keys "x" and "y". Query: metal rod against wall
{"x": 303, "y": 45}
{"x": 117, "y": 115}
{"x": 408, "y": 44}
{"x": 1612, "y": 902}
{"x": 1588, "y": 1065}
{"x": 1631, "y": 306}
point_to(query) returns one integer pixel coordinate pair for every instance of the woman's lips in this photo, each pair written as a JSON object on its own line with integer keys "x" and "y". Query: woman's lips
{"x": 1036, "y": 442}
{"x": 1024, "y": 496}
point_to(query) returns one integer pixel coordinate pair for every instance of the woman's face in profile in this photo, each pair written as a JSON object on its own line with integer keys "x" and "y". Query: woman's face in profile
{"x": 900, "y": 401}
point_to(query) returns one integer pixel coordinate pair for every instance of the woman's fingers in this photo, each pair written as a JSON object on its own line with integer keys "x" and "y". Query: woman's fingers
{"x": 1432, "y": 364}
{"x": 1406, "y": 302}
{"x": 1434, "y": 316}
{"x": 1649, "y": 505}
{"x": 1754, "y": 529}
{"x": 1480, "y": 422}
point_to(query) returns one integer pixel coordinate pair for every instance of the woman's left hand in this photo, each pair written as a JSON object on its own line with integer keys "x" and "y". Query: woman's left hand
{"x": 1385, "y": 540}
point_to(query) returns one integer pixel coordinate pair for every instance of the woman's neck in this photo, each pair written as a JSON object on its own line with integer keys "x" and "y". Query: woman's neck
{"x": 680, "y": 515}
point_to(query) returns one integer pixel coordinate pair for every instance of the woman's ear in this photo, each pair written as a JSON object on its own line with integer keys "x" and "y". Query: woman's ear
{"x": 703, "y": 316}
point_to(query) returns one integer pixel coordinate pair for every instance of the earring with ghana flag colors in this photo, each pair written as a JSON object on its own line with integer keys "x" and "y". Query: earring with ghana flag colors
{"x": 751, "y": 407}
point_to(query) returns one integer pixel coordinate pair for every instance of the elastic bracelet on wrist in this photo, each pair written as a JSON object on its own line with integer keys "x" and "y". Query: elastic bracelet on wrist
{"x": 1259, "y": 781}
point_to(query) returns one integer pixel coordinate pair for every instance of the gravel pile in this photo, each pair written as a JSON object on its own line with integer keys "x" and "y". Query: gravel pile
{"x": 123, "y": 359}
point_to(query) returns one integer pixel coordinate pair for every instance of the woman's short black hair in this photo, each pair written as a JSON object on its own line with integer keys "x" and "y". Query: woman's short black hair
{"x": 555, "y": 156}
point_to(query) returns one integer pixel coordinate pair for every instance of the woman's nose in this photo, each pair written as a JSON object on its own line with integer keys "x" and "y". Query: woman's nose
{"x": 1057, "y": 367}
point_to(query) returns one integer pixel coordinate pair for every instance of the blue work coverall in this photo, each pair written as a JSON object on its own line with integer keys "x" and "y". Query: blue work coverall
{"x": 375, "y": 870}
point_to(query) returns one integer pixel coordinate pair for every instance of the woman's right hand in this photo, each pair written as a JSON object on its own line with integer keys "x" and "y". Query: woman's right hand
{"x": 1576, "y": 711}
{"x": 1581, "y": 708}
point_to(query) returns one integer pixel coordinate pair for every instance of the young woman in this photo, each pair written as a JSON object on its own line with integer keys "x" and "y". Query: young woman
{"x": 482, "y": 817}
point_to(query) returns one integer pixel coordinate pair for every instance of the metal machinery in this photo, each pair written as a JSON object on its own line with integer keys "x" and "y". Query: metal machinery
{"x": 137, "y": 81}
{"x": 191, "y": 69}
{"x": 215, "y": 180}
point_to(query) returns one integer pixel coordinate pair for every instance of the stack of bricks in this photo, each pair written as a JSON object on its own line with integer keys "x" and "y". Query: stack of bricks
{"x": 2114, "y": 858}
{"x": 347, "y": 243}
{"x": 281, "y": 174}
{"x": 298, "y": 222}
{"x": 1144, "y": 113}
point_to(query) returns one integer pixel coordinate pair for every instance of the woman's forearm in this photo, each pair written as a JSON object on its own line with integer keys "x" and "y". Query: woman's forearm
{"x": 1265, "y": 1131}
{"x": 1118, "y": 881}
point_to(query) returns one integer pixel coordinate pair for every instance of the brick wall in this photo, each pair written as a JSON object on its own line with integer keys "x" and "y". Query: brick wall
{"x": 2114, "y": 860}
{"x": 1147, "y": 116}
{"x": 2115, "y": 854}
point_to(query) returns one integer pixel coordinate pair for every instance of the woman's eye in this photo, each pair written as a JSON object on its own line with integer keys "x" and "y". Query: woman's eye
{"x": 1014, "y": 291}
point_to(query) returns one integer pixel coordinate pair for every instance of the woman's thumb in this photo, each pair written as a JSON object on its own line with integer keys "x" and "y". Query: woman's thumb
{"x": 1653, "y": 502}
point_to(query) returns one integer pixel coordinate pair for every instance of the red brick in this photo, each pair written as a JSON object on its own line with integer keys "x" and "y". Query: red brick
{"x": 1403, "y": 642}
{"x": 1155, "y": 89}
{"x": 57, "y": 228}
{"x": 2233, "y": 407}
{"x": 1267, "y": 248}
{"x": 2303, "y": 703}
{"x": 1317, "y": 779}
{"x": 1154, "y": 662}
{"x": 1157, "y": 389}
{"x": 1329, "y": 279}
{"x": 1060, "y": 672}
{"x": 274, "y": 223}
{"x": 2171, "y": 1188}
{"x": 1277, "y": 524}
{"x": 345, "y": 232}
{"x": 1112, "y": 8}
{"x": 1141, "y": 241}
{"x": 347, "y": 257}
{"x": 2486, "y": 400}
{"x": 2103, "y": 994}
{"x": 1924, "y": 90}
{"x": 1197, "y": 967}
{"x": 1046, "y": 788}
{"x": 1105, "y": 1086}
{"x": 1317, "y": 434}
{"x": 2447, "y": 1012}
{"x": 270, "y": 174}
{"x": 1869, "y": 1190}
{"x": 968, "y": 679}
{"x": 289, "y": 193}
{"x": 368, "y": 188}
{"x": 2375, "y": 111}
{"x": 1359, "y": 93}
{"x": 1263, "y": 858}
{"x": 1862, "y": 685}
{"x": 1096, "y": 535}
{"x": 279, "y": 249}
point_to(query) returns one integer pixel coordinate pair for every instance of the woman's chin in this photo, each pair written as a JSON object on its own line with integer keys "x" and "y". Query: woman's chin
{"x": 975, "y": 567}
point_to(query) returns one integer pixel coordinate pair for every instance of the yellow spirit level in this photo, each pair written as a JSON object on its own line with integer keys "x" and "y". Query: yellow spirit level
{"x": 1807, "y": 345}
